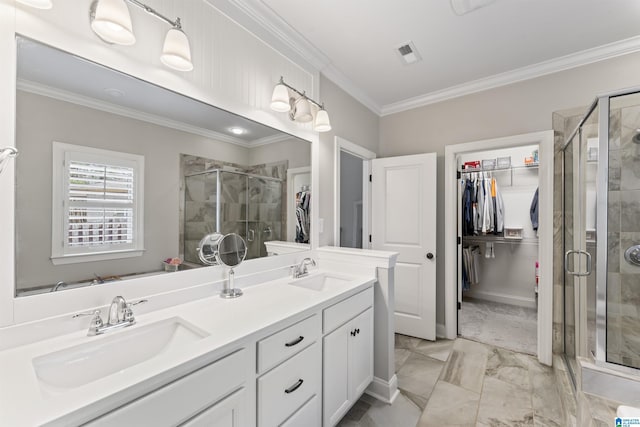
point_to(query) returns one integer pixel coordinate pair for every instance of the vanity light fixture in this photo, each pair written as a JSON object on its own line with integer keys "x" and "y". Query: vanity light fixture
{"x": 111, "y": 21}
{"x": 287, "y": 99}
{"x": 38, "y": 4}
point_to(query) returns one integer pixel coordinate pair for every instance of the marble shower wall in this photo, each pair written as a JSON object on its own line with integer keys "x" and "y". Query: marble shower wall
{"x": 623, "y": 226}
{"x": 265, "y": 213}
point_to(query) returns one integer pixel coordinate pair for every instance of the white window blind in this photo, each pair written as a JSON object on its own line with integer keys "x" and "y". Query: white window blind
{"x": 101, "y": 205}
{"x": 97, "y": 204}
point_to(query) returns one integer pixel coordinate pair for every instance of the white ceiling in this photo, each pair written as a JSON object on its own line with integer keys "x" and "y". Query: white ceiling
{"x": 503, "y": 42}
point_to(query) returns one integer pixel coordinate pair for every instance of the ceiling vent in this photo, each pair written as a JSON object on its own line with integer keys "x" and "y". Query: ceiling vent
{"x": 408, "y": 53}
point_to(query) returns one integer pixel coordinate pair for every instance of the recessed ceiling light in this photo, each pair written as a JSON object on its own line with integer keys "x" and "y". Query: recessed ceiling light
{"x": 237, "y": 131}
{"x": 116, "y": 93}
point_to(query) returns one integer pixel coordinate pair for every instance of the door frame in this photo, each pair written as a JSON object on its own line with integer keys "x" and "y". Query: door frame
{"x": 545, "y": 141}
{"x": 339, "y": 145}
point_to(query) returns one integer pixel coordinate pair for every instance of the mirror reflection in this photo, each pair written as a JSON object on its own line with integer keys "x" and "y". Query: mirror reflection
{"x": 118, "y": 178}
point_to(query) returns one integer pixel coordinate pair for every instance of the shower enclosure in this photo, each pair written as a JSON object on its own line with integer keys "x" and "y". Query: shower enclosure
{"x": 232, "y": 202}
{"x": 601, "y": 235}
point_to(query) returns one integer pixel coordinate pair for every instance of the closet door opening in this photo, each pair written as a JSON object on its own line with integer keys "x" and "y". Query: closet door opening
{"x": 498, "y": 254}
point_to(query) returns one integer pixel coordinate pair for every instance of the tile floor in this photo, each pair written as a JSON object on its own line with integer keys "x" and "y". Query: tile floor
{"x": 463, "y": 383}
{"x": 502, "y": 325}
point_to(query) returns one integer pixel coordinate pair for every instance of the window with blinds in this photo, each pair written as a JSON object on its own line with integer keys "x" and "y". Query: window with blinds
{"x": 97, "y": 203}
{"x": 100, "y": 205}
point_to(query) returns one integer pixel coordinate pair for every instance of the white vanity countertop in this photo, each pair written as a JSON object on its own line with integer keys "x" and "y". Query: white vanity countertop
{"x": 262, "y": 310}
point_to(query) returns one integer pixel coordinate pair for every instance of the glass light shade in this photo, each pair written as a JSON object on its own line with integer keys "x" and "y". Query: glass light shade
{"x": 302, "y": 113}
{"x": 112, "y": 22}
{"x": 38, "y": 4}
{"x": 176, "y": 52}
{"x": 322, "y": 123}
{"x": 280, "y": 99}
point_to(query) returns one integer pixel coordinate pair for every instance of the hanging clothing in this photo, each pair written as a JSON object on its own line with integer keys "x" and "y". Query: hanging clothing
{"x": 533, "y": 211}
{"x": 303, "y": 219}
{"x": 470, "y": 266}
{"x": 482, "y": 205}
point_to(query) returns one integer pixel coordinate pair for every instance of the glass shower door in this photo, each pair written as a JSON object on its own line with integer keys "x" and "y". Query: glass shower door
{"x": 579, "y": 223}
{"x": 264, "y": 213}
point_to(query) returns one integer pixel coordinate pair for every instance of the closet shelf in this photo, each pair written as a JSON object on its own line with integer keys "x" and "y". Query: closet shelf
{"x": 498, "y": 239}
{"x": 510, "y": 168}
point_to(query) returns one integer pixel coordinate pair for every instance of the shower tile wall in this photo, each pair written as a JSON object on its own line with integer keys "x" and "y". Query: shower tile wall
{"x": 623, "y": 286}
{"x": 197, "y": 202}
{"x": 623, "y": 279}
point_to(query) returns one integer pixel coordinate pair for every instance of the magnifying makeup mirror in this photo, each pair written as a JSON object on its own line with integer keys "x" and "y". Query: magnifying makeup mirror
{"x": 229, "y": 250}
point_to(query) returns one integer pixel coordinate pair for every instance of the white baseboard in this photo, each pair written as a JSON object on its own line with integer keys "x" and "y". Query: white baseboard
{"x": 384, "y": 391}
{"x": 501, "y": 298}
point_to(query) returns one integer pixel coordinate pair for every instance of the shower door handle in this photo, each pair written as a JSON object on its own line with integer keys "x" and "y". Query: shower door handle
{"x": 251, "y": 235}
{"x": 575, "y": 273}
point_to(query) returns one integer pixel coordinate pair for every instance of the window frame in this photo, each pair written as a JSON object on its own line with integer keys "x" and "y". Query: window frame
{"x": 63, "y": 154}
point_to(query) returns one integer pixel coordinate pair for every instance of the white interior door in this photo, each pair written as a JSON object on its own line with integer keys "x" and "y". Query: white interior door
{"x": 404, "y": 221}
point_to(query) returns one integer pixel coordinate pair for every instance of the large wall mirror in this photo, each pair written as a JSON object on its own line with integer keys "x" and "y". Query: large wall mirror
{"x": 118, "y": 178}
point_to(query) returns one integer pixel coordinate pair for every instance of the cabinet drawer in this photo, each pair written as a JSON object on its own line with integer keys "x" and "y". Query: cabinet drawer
{"x": 307, "y": 416}
{"x": 284, "y": 344}
{"x": 286, "y": 388}
{"x": 182, "y": 399}
{"x": 346, "y": 310}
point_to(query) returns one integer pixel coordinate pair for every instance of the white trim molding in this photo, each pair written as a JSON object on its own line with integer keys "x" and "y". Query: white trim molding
{"x": 356, "y": 150}
{"x": 578, "y": 59}
{"x": 545, "y": 232}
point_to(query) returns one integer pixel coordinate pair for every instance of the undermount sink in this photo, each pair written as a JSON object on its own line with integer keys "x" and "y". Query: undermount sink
{"x": 108, "y": 354}
{"x": 319, "y": 282}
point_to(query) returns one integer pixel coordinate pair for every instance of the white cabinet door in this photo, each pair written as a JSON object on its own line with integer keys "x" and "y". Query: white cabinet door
{"x": 404, "y": 221}
{"x": 227, "y": 413}
{"x": 335, "y": 390}
{"x": 360, "y": 354}
{"x": 348, "y": 366}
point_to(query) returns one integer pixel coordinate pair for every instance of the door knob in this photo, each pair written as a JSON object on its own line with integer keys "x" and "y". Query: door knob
{"x": 429, "y": 255}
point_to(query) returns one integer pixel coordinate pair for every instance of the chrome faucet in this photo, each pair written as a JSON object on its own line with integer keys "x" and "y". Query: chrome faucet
{"x": 301, "y": 269}
{"x": 120, "y": 316}
{"x": 59, "y": 285}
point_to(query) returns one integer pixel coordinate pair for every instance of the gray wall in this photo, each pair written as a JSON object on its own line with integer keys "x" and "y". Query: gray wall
{"x": 41, "y": 120}
{"x": 350, "y": 193}
{"x": 298, "y": 152}
{"x": 352, "y": 121}
{"x": 514, "y": 109}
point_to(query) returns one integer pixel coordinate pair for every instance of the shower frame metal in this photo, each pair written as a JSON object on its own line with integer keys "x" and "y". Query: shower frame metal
{"x": 602, "y": 102}
{"x": 218, "y": 171}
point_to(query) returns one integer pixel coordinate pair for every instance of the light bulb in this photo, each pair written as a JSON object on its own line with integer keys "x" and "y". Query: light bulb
{"x": 176, "y": 52}
{"x": 322, "y": 123}
{"x": 112, "y": 22}
{"x": 280, "y": 99}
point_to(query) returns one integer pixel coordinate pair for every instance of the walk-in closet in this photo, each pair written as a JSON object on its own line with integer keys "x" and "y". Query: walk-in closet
{"x": 498, "y": 258}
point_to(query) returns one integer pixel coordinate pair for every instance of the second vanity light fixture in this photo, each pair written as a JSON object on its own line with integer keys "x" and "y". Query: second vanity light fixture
{"x": 287, "y": 99}
{"x": 111, "y": 21}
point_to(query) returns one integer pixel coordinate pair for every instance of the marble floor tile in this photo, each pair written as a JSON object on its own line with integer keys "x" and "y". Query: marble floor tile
{"x": 507, "y": 366}
{"x": 450, "y": 405}
{"x": 404, "y": 341}
{"x": 502, "y": 325}
{"x": 401, "y": 354}
{"x": 504, "y": 404}
{"x": 419, "y": 374}
{"x": 439, "y": 349}
{"x": 402, "y": 413}
{"x": 466, "y": 365}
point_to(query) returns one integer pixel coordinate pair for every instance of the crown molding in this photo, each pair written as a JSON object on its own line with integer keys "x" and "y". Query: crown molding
{"x": 85, "y": 101}
{"x": 271, "y": 140}
{"x": 270, "y": 21}
{"x": 578, "y": 59}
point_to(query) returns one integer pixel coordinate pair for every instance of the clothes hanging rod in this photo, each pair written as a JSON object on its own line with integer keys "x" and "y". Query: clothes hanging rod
{"x": 510, "y": 168}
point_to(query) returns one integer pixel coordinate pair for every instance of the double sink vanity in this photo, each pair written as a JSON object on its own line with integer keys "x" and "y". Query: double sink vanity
{"x": 289, "y": 352}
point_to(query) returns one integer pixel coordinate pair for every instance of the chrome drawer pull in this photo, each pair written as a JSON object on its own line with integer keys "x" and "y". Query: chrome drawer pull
{"x": 294, "y": 387}
{"x": 294, "y": 342}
